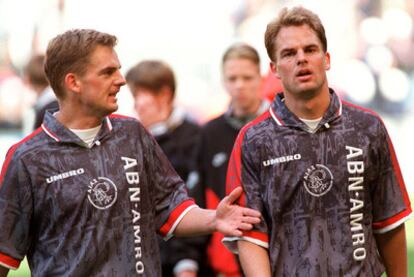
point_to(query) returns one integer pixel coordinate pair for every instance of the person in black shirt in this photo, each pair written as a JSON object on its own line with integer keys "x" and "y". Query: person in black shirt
{"x": 153, "y": 84}
{"x": 242, "y": 81}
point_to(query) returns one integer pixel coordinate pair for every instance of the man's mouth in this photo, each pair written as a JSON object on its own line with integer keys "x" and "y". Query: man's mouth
{"x": 303, "y": 72}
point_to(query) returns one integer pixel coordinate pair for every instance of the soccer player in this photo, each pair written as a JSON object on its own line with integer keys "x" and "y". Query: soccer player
{"x": 322, "y": 172}
{"x": 242, "y": 80}
{"x": 85, "y": 194}
{"x": 152, "y": 84}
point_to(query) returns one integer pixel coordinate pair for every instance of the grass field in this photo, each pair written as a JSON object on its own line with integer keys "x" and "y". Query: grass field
{"x": 24, "y": 271}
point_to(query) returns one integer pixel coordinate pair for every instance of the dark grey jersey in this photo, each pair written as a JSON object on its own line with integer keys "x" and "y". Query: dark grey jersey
{"x": 79, "y": 211}
{"x": 322, "y": 194}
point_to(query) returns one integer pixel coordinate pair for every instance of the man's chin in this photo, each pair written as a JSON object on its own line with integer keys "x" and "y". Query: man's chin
{"x": 111, "y": 109}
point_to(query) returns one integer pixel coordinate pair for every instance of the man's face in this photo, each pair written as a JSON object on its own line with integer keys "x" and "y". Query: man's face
{"x": 242, "y": 81}
{"x": 152, "y": 106}
{"x": 101, "y": 82}
{"x": 301, "y": 63}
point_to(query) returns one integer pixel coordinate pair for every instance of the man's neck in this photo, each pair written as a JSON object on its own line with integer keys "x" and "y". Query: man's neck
{"x": 308, "y": 107}
{"x": 76, "y": 119}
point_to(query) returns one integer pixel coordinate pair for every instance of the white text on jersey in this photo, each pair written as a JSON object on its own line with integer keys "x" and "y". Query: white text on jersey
{"x": 355, "y": 170}
{"x": 65, "y": 175}
{"x": 282, "y": 159}
{"x": 132, "y": 178}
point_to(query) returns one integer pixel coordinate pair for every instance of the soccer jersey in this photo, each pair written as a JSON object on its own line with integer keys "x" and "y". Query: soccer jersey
{"x": 323, "y": 194}
{"x": 78, "y": 211}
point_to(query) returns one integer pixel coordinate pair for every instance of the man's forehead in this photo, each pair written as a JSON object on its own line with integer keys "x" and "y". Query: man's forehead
{"x": 293, "y": 36}
{"x": 104, "y": 56}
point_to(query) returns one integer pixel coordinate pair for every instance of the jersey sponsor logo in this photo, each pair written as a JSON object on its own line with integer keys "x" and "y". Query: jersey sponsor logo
{"x": 282, "y": 159}
{"x": 219, "y": 159}
{"x": 355, "y": 169}
{"x": 132, "y": 178}
{"x": 65, "y": 175}
{"x": 318, "y": 180}
{"x": 102, "y": 193}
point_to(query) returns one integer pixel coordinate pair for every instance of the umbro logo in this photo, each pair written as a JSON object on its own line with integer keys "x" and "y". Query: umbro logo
{"x": 282, "y": 159}
{"x": 65, "y": 175}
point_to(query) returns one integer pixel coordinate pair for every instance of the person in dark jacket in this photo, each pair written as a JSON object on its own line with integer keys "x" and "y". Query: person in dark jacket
{"x": 242, "y": 80}
{"x": 153, "y": 85}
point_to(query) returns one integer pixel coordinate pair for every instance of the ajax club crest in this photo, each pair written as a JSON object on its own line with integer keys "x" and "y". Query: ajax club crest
{"x": 318, "y": 180}
{"x": 102, "y": 193}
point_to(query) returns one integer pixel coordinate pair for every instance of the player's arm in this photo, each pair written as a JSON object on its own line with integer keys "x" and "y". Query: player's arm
{"x": 393, "y": 250}
{"x": 254, "y": 259}
{"x": 229, "y": 219}
{"x": 3, "y": 271}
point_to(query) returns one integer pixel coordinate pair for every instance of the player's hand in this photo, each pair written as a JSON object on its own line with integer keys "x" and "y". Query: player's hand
{"x": 232, "y": 219}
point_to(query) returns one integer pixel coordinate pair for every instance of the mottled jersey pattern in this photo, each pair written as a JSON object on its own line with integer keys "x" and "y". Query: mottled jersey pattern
{"x": 323, "y": 194}
{"x": 79, "y": 211}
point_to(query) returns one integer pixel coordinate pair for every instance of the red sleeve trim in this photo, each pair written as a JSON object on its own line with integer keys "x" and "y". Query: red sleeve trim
{"x": 257, "y": 236}
{"x": 174, "y": 215}
{"x": 9, "y": 261}
{"x": 392, "y": 220}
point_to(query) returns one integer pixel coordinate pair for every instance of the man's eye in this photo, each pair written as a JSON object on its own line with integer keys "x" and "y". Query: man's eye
{"x": 287, "y": 54}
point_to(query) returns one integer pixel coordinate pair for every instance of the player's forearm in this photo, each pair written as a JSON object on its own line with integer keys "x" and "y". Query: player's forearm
{"x": 3, "y": 271}
{"x": 393, "y": 249}
{"x": 196, "y": 222}
{"x": 254, "y": 259}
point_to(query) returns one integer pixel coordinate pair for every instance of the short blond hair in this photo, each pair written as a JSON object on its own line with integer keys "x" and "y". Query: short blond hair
{"x": 70, "y": 52}
{"x": 241, "y": 51}
{"x": 296, "y": 16}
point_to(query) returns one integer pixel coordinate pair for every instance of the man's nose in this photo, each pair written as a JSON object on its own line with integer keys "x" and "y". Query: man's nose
{"x": 121, "y": 79}
{"x": 301, "y": 57}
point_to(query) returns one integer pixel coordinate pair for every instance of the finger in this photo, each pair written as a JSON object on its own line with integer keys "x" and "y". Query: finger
{"x": 245, "y": 226}
{"x": 235, "y": 233}
{"x": 251, "y": 220}
{"x": 234, "y": 195}
{"x": 251, "y": 212}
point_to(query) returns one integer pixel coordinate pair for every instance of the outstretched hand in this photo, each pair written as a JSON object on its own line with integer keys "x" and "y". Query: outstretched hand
{"x": 232, "y": 219}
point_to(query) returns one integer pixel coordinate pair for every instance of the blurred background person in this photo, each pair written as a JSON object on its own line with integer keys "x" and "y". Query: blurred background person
{"x": 242, "y": 80}
{"x": 35, "y": 78}
{"x": 153, "y": 86}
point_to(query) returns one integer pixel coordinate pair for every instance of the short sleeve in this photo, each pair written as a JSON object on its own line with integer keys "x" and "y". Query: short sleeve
{"x": 391, "y": 204}
{"x": 241, "y": 172}
{"x": 15, "y": 211}
{"x": 168, "y": 191}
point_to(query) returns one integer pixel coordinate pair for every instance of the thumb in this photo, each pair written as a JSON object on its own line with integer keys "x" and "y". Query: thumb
{"x": 234, "y": 195}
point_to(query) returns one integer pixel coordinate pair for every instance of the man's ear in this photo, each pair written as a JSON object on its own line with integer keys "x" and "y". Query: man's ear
{"x": 273, "y": 68}
{"x": 72, "y": 82}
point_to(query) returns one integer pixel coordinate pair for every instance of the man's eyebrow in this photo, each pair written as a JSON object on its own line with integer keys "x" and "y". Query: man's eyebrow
{"x": 109, "y": 69}
{"x": 286, "y": 50}
{"x": 293, "y": 48}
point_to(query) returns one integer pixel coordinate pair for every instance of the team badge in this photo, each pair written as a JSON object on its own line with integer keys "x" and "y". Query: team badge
{"x": 102, "y": 193}
{"x": 318, "y": 180}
